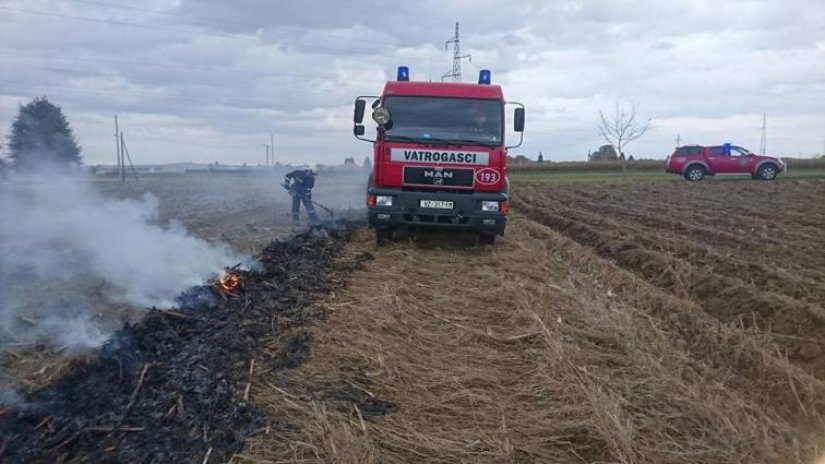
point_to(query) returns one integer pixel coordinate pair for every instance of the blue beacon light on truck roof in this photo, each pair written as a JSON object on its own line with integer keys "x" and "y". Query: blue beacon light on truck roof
{"x": 485, "y": 76}
{"x": 403, "y": 74}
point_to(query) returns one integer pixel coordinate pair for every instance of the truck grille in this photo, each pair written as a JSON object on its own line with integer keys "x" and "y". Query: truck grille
{"x": 454, "y": 177}
{"x": 435, "y": 219}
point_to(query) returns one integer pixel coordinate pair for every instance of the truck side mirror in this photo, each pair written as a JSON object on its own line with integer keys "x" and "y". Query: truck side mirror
{"x": 358, "y": 115}
{"x": 358, "y": 130}
{"x": 518, "y": 120}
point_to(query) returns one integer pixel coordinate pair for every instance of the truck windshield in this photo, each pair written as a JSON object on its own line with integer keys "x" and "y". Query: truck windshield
{"x": 461, "y": 120}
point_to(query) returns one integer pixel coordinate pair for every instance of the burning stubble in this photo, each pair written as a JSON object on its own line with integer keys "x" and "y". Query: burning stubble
{"x": 74, "y": 262}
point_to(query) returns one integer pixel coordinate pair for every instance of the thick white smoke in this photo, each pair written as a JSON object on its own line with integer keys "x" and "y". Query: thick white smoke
{"x": 71, "y": 258}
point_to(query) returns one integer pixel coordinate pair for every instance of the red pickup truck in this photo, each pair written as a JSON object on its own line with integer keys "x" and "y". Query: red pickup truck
{"x": 694, "y": 162}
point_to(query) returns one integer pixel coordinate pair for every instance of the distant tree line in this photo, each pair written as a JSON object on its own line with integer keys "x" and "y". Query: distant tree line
{"x": 518, "y": 159}
{"x": 350, "y": 161}
{"x": 607, "y": 153}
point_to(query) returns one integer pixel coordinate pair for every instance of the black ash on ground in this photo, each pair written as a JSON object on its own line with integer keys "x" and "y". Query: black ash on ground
{"x": 170, "y": 388}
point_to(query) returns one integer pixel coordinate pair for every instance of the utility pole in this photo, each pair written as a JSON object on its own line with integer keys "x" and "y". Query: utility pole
{"x": 267, "y": 154}
{"x": 118, "y": 148}
{"x": 678, "y": 140}
{"x": 763, "y": 144}
{"x": 457, "y": 57}
{"x": 124, "y": 154}
{"x": 272, "y": 144}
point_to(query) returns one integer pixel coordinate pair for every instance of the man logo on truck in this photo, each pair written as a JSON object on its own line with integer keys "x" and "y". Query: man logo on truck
{"x": 438, "y": 174}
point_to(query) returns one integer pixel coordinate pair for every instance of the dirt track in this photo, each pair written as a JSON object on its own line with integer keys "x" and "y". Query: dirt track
{"x": 669, "y": 323}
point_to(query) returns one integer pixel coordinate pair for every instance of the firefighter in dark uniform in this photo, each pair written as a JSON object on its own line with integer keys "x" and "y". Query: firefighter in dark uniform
{"x": 480, "y": 124}
{"x": 299, "y": 183}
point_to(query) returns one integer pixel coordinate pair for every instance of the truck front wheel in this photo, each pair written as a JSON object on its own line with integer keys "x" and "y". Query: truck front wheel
{"x": 486, "y": 239}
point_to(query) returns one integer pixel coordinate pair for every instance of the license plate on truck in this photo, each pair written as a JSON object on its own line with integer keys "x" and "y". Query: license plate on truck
{"x": 436, "y": 204}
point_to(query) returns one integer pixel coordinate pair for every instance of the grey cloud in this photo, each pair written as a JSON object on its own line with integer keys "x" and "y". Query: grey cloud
{"x": 661, "y": 45}
{"x": 235, "y": 71}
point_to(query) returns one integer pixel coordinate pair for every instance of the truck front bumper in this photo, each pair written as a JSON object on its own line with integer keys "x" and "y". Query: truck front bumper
{"x": 466, "y": 213}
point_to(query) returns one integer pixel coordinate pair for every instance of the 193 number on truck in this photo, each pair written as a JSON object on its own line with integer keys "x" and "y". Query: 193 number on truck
{"x": 487, "y": 176}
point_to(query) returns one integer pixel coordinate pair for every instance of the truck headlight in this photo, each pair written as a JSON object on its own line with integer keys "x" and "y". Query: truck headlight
{"x": 490, "y": 206}
{"x": 383, "y": 200}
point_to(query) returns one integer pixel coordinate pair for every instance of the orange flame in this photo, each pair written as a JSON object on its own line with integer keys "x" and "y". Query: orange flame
{"x": 229, "y": 281}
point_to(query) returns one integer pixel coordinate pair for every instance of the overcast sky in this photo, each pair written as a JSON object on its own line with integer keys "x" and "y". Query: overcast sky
{"x": 208, "y": 80}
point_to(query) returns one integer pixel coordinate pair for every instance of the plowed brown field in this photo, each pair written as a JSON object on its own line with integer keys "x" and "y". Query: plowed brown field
{"x": 751, "y": 255}
{"x": 657, "y": 323}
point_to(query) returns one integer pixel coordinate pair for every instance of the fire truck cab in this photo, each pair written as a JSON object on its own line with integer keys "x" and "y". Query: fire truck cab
{"x": 439, "y": 157}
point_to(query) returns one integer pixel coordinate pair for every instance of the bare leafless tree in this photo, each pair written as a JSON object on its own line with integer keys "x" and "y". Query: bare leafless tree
{"x": 621, "y": 128}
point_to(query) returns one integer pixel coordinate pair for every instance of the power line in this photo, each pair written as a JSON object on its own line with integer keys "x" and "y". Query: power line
{"x": 210, "y": 19}
{"x": 196, "y": 32}
{"x": 103, "y": 21}
{"x": 169, "y": 13}
{"x": 259, "y": 103}
{"x": 187, "y": 68}
{"x": 252, "y": 144}
{"x": 215, "y": 142}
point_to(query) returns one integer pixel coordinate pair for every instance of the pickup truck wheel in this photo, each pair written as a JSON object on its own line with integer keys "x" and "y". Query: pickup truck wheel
{"x": 695, "y": 173}
{"x": 486, "y": 239}
{"x": 767, "y": 172}
{"x": 383, "y": 235}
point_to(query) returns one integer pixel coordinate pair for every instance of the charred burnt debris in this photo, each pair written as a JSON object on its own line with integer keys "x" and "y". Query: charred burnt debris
{"x": 173, "y": 387}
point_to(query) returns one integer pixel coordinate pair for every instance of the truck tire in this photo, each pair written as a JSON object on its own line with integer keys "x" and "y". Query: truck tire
{"x": 767, "y": 171}
{"x": 383, "y": 235}
{"x": 486, "y": 239}
{"x": 695, "y": 173}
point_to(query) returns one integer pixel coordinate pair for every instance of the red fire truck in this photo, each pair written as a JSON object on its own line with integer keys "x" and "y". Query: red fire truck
{"x": 439, "y": 156}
